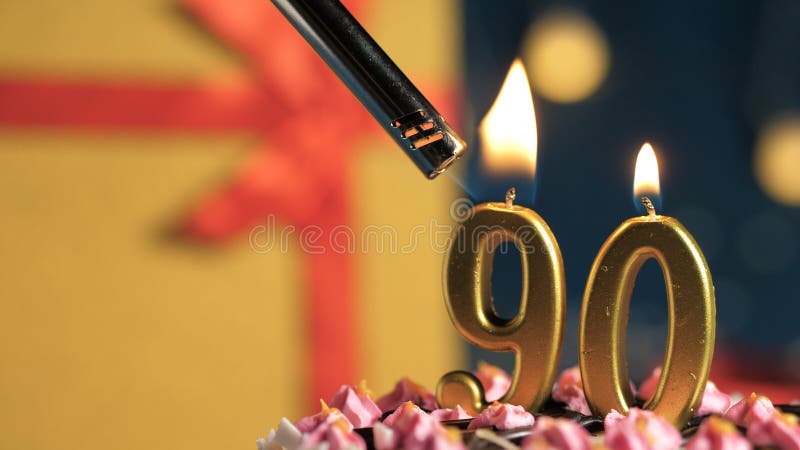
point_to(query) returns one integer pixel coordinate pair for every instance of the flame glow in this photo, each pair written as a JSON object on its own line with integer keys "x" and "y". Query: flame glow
{"x": 508, "y": 131}
{"x": 645, "y": 178}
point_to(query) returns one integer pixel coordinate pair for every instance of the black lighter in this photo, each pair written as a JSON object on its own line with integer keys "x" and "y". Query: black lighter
{"x": 377, "y": 82}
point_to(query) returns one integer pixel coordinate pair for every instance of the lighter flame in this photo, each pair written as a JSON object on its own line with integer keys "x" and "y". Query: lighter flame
{"x": 645, "y": 178}
{"x": 508, "y": 131}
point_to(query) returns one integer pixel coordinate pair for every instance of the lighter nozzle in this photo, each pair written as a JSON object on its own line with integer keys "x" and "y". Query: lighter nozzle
{"x": 429, "y": 140}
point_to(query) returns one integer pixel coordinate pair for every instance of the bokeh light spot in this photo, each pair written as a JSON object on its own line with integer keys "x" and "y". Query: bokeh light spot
{"x": 567, "y": 56}
{"x": 777, "y": 160}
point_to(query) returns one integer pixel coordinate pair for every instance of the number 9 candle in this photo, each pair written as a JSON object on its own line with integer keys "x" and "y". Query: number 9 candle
{"x": 606, "y": 301}
{"x": 508, "y": 135}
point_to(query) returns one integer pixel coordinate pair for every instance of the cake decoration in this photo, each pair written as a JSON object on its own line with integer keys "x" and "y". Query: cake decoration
{"x": 640, "y": 430}
{"x": 407, "y": 409}
{"x": 456, "y": 413}
{"x": 502, "y": 416}
{"x": 779, "y": 430}
{"x": 502, "y": 426}
{"x": 332, "y": 436}
{"x": 569, "y": 390}
{"x": 406, "y": 390}
{"x": 411, "y": 428}
{"x": 355, "y": 402}
{"x": 535, "y": 332}
{"x": 327, "y": 430}
{"x": 717, "y": 433}
{"x": 495, "y": 381}
{"x": 714, "y": 401}
{"x": 383, "y": 436}
{"x": 287, "y": 437}
{"x": 310, "y": 423}
{"x": 755, "y": 408}
{"x": 550, "y": 433}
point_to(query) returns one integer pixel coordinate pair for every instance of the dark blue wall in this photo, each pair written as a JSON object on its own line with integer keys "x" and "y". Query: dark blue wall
{"x": 697, "y": 79}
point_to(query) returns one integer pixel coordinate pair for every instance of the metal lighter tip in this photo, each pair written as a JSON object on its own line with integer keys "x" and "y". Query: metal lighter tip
{"x": 363, "y": 66}
{"x": 430, "y": 137}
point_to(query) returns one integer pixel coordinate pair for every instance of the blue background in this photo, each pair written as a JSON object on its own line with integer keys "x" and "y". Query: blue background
{"x": 697, "y": 79}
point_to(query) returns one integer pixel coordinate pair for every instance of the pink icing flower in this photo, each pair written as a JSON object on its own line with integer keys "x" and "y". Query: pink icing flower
{"x": 569, "y": 390}
{"x": 406, "y": 390}
{"x": 714, "y": 401}
{"x": 716, "y": 433}
{"x": 502, "y": 416}
{"x": 560, "y": 434}
{"x": 333, "y": 437}
{"x": 383, "y": 437}
{"x": 450, "y": 414}
{"x": 331, "y": 429}
{"x": 355, "y": 402}
{"x": 327, "y": 415}
{"x": 755, "y": 408}
{"x": 407, "y": 409}
{"x": 495, "y": 381}
{"x": 640, "y": 430}
{"x": 410, "y": 428}
{"x": 781, "y": 430}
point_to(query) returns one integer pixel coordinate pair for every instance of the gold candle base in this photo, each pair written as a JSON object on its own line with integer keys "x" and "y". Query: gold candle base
{"x": 605, "y": 311}
{"x": 534, "y": 335}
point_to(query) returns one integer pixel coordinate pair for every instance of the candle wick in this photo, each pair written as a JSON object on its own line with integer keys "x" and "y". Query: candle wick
{"x": 648, "y": 205}
{"x": 511, "y": 194}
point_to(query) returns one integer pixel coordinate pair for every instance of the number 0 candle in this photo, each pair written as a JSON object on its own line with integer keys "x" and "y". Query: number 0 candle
{"x": 606, "y": 301}
{"x": 508, "y": 133}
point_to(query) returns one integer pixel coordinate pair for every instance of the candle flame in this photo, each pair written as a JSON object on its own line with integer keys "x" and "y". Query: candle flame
{"x": 645, "y": 178}
{"x": 508, "y": 131}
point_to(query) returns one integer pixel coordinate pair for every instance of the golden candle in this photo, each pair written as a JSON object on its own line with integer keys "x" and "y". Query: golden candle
{"x": 534, "y": 335}
{"x": 508, "y": 133}
{"x": 606, "y": 301}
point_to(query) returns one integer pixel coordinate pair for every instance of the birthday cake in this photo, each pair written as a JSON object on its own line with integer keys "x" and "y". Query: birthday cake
{"x": 409, "y": 418}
